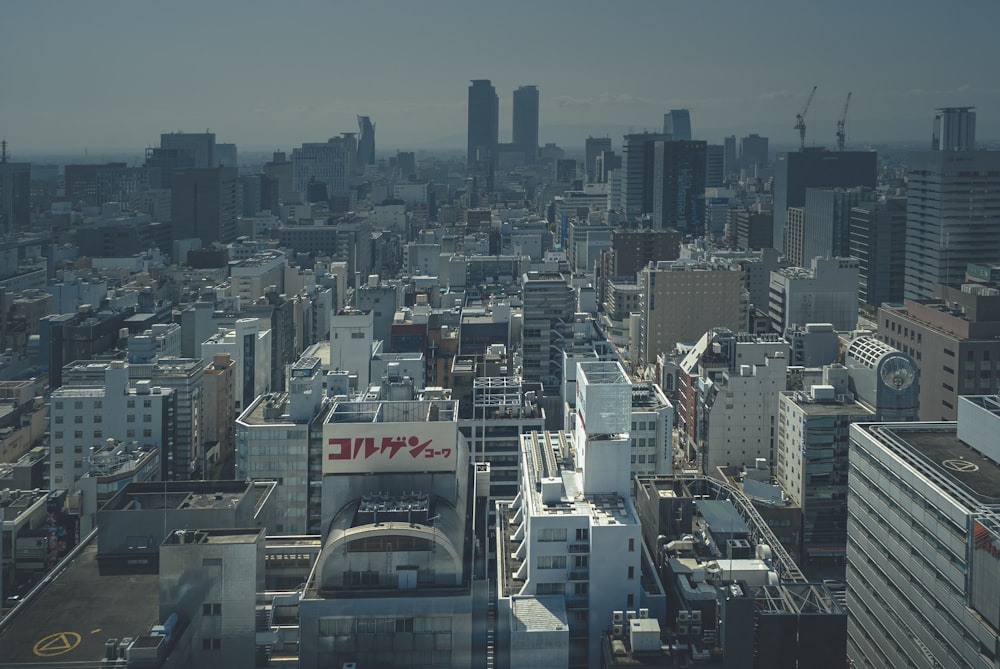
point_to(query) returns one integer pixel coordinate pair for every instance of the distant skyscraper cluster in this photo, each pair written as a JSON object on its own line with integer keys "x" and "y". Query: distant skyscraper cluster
{"x": 484, "y": 124}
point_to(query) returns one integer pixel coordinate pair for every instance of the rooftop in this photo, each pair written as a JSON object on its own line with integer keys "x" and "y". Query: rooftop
{"x": 942, "y": 455}
{"x": 180, "y": 495}
{"x": 71, "y": 618}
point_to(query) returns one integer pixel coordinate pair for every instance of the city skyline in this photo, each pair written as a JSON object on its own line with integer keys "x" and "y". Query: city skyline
{"x": 93, "y": 79}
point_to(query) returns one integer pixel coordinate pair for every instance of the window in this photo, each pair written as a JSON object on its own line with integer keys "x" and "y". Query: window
{"x": 78, "y": 434}
{"x": 551, "y": 588}
{"x": 211, "y": 609}
{"x": 631, "y": 545}
{"x": 357, "y": 335}
{"x": 630, "y": 600}
{"x": 146, "y": 404}
{"x": 130, "y": 434}
{"x": 552, "y": 534}
{"x": 213, "y": 643}
{"x": 98, "y": 404}
{"x": 631, "y": 572}
{"x": 59, "y": 420}
{"x": 147, "y": 433}
{"x": 582, "y": 534}
{"x": 98, "y": 418}
{"x": 78, "y": 404}
{"x": 130, "y": 404}
{"x": 59, "y": 405}
{"x": 581, "y": 588}
{"x": 551, "y": 561}
{"x": 130, "y": 418}
{"x": 98, "y": 434}
{"x": 78, "y": 419}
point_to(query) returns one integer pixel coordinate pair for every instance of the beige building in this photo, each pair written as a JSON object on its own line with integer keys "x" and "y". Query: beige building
{"x": 681, "y": 300}
{"x": 220, "y": 413}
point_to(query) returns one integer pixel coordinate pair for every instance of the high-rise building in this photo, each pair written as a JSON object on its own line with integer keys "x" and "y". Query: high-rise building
{"x": 816, "y": 168}
{"x": 203, "y": 204}
{"x": 812, "y": 459}
{"x": 636, "y": 196}
{"x": 682, "y": 300}
{"x": 827, "y": 292}
{"x": 95, "y": 185}
{"x": 605, "y": 162}
{"x": 15, "y": 195}
{"x": 952, "y": 217}
{"x": 366, "y": 141}
{"x": 330, "y": 163}
{"x": 729, "y": 156}
{"x": 753, "y": 152}
{"x": 954, "y": 129}
{"x": 593, "y": 148}
{"x": 715, "y": 165}
{"x": 548, "y": 299}
{"x": 525, "y": 127}
{"x": 224, "y": 155}
{"x": 250, "y": 346}
{"x": 826, "y": 221}
{"x": 198, "y": 146}
{"x": 484, "y": 121}
{"x": 877, "y": 239}
{"x": 923, "y": 541}
{"x": 677, "y": 124}
{"x": 678, "y": 178}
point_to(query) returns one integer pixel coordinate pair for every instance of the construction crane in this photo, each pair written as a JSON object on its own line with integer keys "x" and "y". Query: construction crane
{"x": 840, "y": 124}
{"x": 800, "y": 120}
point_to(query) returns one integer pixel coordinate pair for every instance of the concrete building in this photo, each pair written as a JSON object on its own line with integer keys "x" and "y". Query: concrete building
{"x": 204, "y": 204}
{"x": 252, "y": 277}
{"x": 922, "y": 534}
{"x": 548, "y": 299}
{"x": 877, "y": 239}
{"x": 753, "y": 152}
{"x": 210, "y": 579}
{"x": 636, "y": 174}
{"x": 393, "y": 583}
{"x": 219, "y": 417}
{"x": 679, "y": 172}
{"x": 953, "y": 340}
{"x": 827, "y": 292}
{"x": 351, "y": 338}
{"x": 594, "y": 146}
{"x": 827, "y": 221}
{"x": 682, "y": 300}
{"x": 199, "y": 147}
{"x": 330, "y": 163}
{"x": 812, "y": 459}
{"x": 816, "y": 168}
{"x": 652, "y": 430}
{"x": 250, "y": 347}
{"x": 884, "y": 379}
{"x": 273, "y": 442}
{"x": 15, "y": 195}
{"x": 574, "y": 508}
{"x": 754, "y": 228}
{"x": 951, "y": 217}
{"x": 82, "y": 419}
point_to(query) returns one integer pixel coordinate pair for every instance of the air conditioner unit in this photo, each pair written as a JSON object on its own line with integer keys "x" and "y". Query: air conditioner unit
{"x": 630, "y": 615}
{"x": 682, "y": 630}
{"x": 696, "y": 616}
{"x": 683, "y": 616}
{"x": 617, "y": 617}
{"x": 643, "y": 613}
{"x": 695, "y": 630}
{"x": 617, "y": 630}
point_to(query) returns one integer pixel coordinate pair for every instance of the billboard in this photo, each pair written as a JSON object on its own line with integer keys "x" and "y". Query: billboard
{"x": 351, "y": 448}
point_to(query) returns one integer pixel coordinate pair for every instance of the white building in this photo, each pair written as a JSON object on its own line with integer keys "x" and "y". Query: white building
{"x": 82, "y": 419}
{"x": 923, "y": 541}
{"x": 825, "y": 293}
{"x": 574, "y": 542}
{"x": 652, "y": 430}
{"x": 251, "y": 277}
{"x": 250, "y": 347}
{"x": 351, "y": 334}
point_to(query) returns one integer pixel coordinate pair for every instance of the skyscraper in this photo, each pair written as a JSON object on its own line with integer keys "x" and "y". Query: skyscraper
{"x": 366, "y": 141}
{"x": 954, "y": 129}
{"x": 816, "y": 168}
{"x": 594, "y": 147}
{"x": 951, "y": 217}
{"x": 877, "y": 239}
{"x": 203, "y": 204}
{"x": 678, "y": 177}
{"x": 484, "y": 120}
{"x": 753, "y": 151}
{"x": 15, "y": 195}
{"x": 525, "y": 129}
{"x": 637, "y": 164}
{"x": 677, "y": 122}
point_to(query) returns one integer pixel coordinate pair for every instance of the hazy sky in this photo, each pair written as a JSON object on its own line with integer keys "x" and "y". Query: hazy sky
{"x": 109, "y": 75}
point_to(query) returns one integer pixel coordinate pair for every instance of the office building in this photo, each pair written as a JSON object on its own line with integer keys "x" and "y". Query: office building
{"x": 922, "y": 541}
{"x": 826, "y": 222}
{"x": 484, "y": 121}
{"x": 219, "y": 417}
{"x": 729, "y": 157}
{"x": 199, "y": 146}
{"x": 811, "y": 465}
{"x": 15, "y": 195}
{"x": 652, "y": 430}
{"x": 827, "y": 292}
{"x": 250, "y": 346}
{"x": 574, "y": 509}
{"x": 95, "y": 185}
{"x": 794, "y": 172}
{"x": 637, "y": 173}
{"x": 330, "y": 164}
{"x": 605, "y": 162}
{"x": 525, "y": 127}
{"x": 83, "y": 419}
{"x": 877, "y": 238}
{"x": 393, "y": 583}
{"x": 677, "y": 124}
{"x": 953, "y": 339}
{"x": 753, "y": 152}
{"x": 594, "y": 146}
{"x": 954, "y": 129}
{"x": 951, "y": 217}
{"x": 204, "y": 205}
{"x": 754, "y": 228}
{"x": 679, "y": 171}
{"x": 548, "y": 299}
{"x": 682, "y": 300}
{"x": 366, "y": 142}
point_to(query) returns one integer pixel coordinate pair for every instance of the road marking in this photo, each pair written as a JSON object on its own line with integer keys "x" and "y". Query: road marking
{"x": 56, "y": 644}
{"x": 95, "y": 630}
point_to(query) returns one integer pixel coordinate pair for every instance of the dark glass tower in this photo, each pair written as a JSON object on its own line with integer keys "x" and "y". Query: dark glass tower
{"x": 525, "y": 130}
{"x": 366, "y": 141}
{"x": 484, "y": 120}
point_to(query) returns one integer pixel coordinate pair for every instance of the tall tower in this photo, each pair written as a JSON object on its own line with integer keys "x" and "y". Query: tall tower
{"x": 366, "y": 141}
{"x": 484, "y": 120}
{"x": 954, "y": 129}
{"x": 525, "y": 129}
{"x": 677, "y": 122}
{"x": 15, "y": 194}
